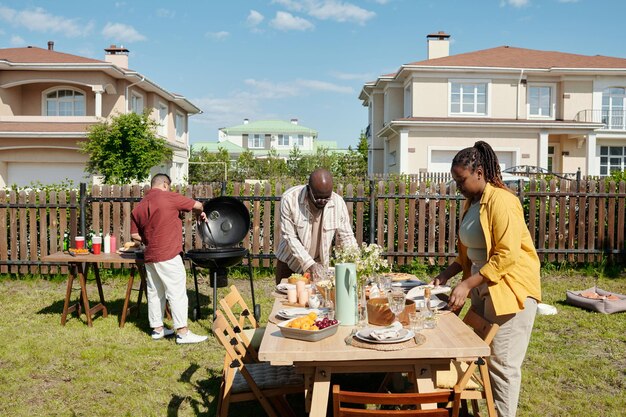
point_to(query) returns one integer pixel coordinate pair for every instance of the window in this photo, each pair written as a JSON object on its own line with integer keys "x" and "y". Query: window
{"x": 283, "y": 140}
{"x": 299, "y": 141}
{"x": 136, "y": 103}
{"x": 551, "y": 158}
{"x": 162, "y": 129}
{"x": 65, "y": 102}
{"x": 180, "y": 127}
{"x": 256, "y": 141}
{"x": 468, "y": 98}
{"x": 612, "y": 158}
{"x": 540, "y": 101}
{"x": 613, "y": 106}
{"x": 408, "y": 112}
{"x": 391, "y": 160}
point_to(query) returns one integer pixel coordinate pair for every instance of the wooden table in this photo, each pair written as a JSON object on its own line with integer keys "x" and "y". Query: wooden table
{"x": 451, "y": 339}
{"x": 79, "y": 265}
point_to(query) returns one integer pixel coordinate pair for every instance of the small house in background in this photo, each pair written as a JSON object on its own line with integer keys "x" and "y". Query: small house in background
{"x": 48, "y": 100}
{"x": 553, "y": 110}
{"x": 259, "y": 137}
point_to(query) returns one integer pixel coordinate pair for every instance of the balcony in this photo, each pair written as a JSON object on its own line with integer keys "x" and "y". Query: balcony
{"x": 612, "y": 119}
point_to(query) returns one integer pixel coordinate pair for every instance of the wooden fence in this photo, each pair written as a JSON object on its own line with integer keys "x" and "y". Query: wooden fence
{"x": 570, "y": 221}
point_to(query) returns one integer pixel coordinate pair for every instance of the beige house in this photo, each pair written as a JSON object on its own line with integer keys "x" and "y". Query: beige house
{"x": 48, "y": 99}
{"x": 554, "y": 110}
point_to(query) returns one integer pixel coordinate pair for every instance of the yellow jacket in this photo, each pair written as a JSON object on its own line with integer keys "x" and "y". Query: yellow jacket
{"x": 512, "y": 269}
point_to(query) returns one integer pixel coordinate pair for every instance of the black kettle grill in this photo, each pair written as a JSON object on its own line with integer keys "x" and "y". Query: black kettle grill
{"x": 228, "y": 223}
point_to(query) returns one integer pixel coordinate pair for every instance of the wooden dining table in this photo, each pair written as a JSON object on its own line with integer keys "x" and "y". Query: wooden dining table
{"x": 318, "y": 361}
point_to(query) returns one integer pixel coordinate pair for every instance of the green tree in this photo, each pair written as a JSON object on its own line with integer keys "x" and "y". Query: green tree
{"x": 125, "y": 148}
{"x": 205, "y": 166}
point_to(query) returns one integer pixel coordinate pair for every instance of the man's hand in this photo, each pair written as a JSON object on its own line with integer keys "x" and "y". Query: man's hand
{"x": 317, "y": 271}
{"x": 439, "y": 280}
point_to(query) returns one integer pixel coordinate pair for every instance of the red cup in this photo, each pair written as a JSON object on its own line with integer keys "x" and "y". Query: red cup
{"x": 96, "y": 245}
{"x": 79, "y": 242}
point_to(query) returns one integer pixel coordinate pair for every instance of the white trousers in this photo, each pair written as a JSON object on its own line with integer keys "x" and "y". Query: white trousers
{"x": 167, "y": 280}
{"x": 508, "y": 348}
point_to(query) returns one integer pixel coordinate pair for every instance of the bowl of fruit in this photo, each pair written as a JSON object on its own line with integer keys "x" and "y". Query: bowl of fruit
{"x": 309, "y": 328}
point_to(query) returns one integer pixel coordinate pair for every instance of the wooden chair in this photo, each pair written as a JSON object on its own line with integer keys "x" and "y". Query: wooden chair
{"x": 252, "y": 381}
{"x": 471, "y": 385}
{"x": 341, "y": 400}
{"x": 243, "y": 323}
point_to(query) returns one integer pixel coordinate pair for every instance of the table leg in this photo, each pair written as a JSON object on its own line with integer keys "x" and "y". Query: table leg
{"x": 129, "y": 287}
{"x": 424, "y": 382}
{"x": 83, "y": 269}
{"x": 96, "y": 271}
{"x": 68, "y": 293}
{"x": 321, "y": 389}
{"x": 484, "y": 373}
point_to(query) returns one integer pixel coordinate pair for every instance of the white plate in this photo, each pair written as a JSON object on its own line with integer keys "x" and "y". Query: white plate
{"x": 419, "y": 291}
{"x": 409, "y": 283}
{"x": 364, "y": 335}
{"x": 292, "y": 313}
{"x": 434, "y": 303}
{"x": 282, "y": 288}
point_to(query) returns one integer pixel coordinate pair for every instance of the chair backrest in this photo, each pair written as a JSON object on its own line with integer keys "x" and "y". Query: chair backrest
{"x": 486, "y": 330}
{"x": 341, "y": 400}
{"x": 229, "y": 340}
{"x": 240, "y": 316}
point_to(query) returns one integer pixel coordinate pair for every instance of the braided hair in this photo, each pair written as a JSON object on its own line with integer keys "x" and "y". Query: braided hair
{"x": 481, "y": 155}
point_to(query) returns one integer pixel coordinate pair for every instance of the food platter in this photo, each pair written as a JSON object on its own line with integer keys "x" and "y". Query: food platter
{"x": 291, "y": 313}
{"x": 400, "y": 276}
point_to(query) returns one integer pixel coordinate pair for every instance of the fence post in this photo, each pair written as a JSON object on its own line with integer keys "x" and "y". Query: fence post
{"x": 372, "y": 213}
{"x": 223, "y": 188}
{"x": 83, "y": 209}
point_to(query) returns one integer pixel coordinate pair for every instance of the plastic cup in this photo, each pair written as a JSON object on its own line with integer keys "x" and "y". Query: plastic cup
{"x": 416, "y": 321}
{"x": 96, "y": 245}
{"x": 79, "y": 242}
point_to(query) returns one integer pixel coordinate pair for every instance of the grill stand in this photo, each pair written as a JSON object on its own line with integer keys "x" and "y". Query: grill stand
{"x": 196, "y": 310}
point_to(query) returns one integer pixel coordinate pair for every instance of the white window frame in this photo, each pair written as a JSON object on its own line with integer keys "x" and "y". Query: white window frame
{"x": 552, "y": 109}
{"x": 283, "y": 137}
{"x": 615, "y": 119}
{"x": 256, "y": 141}
{"x": 298, "y": 140}
{"x": 470, "y": 81}
{"x": 44, "y": 101}
{"x": 180, "y": 125}
{"x": 605, "y": 160}
{"x": 408, "y": 100}
{"x": 392, "y": 159}
{"x": 162, "y": 129}
{"x": 136, "y": 102}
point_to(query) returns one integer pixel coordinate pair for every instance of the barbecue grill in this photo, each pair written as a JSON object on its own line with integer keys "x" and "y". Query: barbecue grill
{"x": 228, "y": 223}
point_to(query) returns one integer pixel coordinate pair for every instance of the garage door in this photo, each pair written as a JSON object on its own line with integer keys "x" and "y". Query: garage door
{"x": 25, "y": 173}
{"x": 441, "y": 160}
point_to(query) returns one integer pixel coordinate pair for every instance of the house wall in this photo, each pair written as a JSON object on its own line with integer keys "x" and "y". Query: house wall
{"x": 580, "y": 97}
{"x": 504, "y": 98}
{"x": 33, "y": 100}
{"x": 377, "y": 123}
{"x": 393, "y": 102}
{"x": 10, "y": 103}
{"x": 430, "y": 97}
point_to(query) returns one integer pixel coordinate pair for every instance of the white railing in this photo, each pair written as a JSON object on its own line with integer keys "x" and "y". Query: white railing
{"x": 612, "y": 119}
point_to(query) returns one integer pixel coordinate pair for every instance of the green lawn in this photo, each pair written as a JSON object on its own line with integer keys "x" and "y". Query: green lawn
{"x": 576, "y": 364}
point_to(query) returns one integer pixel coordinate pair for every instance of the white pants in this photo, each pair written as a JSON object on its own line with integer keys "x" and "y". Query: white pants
{"x": 508, "y": 348}
{"x": 167, "y": 280}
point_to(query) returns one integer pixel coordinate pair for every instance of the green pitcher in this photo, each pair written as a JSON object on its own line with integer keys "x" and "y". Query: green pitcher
{"x": 345, "y": 294}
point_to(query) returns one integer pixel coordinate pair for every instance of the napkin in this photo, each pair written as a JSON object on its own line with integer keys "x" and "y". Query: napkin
{"x": 387, "y": 333}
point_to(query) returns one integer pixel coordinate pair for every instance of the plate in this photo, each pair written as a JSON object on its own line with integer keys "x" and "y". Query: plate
{"x": 435, "y": 303}
{"x": 282, "y": 288}
{"x": 364, "y": 335}
{"x": 419, "y": 291}
{"x": 307, "y": 335}
{"x": 292, "y": 313}
{"x": 410, "y": 283}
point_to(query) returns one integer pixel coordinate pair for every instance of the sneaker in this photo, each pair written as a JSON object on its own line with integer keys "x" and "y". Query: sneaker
{"x": 165, "y": 332}
{"x": 189, "y": 337}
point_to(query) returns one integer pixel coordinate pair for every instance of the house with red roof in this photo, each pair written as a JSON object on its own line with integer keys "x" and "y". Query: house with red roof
{"x": 48, "y": 100}
{"x": 553, "y": 110}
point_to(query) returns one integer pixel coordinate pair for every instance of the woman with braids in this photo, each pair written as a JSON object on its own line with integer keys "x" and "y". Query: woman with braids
{"x": 500, "y": 267}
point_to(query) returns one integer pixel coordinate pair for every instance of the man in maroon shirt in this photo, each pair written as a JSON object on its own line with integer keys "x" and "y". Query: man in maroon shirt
{"x": 156, "y": 222}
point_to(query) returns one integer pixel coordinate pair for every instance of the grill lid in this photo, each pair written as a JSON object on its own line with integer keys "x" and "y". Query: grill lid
{"x": 228, "y": 222}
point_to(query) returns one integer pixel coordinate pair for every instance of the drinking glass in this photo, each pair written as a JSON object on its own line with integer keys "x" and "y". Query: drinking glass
{"x": 384, "y": 283}
{"x": 416, "y": 321}
{"x": 396, "y": 299}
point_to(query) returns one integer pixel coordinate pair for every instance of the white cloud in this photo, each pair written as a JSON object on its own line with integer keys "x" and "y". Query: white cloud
{"x": 515, "y": 3}
{"x": 336, "y": 10}
{"x": 324, "y": 86}
{"x": 38, "y": 20}
{"x": 218, "y": 36}
{"x": 122, "y": 33}
{"x": 254, "y": 18}
{"x": 287, "y": 21}
{"x": 166, "y": 13}
{"x": 348, "y": 76}
{"x": 263, "y": 89}
{"x": 17, "y": 41}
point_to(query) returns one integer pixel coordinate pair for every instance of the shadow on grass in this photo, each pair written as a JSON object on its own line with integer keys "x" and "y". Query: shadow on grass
{"x": 207, "y": 389}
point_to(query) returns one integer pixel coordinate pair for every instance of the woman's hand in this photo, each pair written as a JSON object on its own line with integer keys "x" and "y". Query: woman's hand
{"x": 458, "y": 296}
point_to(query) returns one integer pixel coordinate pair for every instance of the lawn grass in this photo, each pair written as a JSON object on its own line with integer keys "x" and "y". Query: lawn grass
{"x": 576, "y": 363}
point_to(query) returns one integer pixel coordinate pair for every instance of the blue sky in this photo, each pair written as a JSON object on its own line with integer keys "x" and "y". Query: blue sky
{"x": 304, "y": 59}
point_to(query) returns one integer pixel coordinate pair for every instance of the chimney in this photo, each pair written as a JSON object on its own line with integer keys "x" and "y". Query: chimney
{"x": 117, "y": 55}
{"x": 438, "y": 45}
{"x": 50, "y": 46}
{"x": 294, "y": 121}
{"x": 245, "y": 121}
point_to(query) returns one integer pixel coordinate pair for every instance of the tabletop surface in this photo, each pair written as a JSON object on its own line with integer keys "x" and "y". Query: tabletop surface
{"x": 450, "y": 339}
{"x": 125, "y": 258}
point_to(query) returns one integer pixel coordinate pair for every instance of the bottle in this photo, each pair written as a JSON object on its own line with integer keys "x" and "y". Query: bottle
{"x": 427, "y": 312}
{"x": 66, "y": 241}
{"x": 113, "y": 244}
{"x": 107, "y": 244}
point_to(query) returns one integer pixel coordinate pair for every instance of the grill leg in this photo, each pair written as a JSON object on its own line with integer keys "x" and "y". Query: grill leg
{"x": 195, "y": 281}
{"x": 214, "y": 294}
{"x": 257, "y": 309}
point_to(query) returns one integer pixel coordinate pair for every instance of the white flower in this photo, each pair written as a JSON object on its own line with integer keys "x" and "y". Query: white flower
{"x": 368, "y": 259}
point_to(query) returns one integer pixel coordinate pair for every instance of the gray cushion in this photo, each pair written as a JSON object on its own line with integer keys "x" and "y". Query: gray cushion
{"x": 600, "y": 305}
{"x": 267, "y": 376}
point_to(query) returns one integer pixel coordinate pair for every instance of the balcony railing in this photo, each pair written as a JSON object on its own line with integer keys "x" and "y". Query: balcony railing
{"x": 612, "y": 119}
